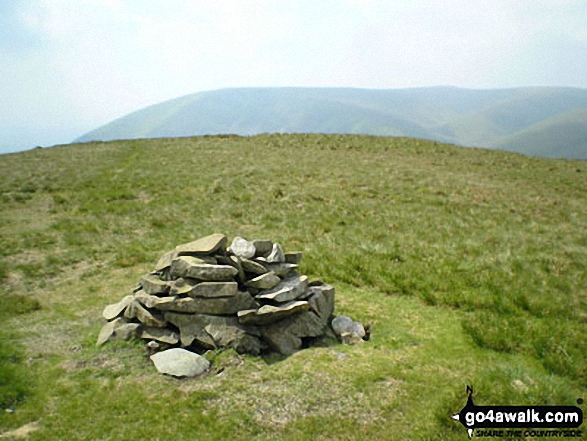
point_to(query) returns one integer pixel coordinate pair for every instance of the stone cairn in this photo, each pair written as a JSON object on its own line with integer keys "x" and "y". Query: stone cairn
{"x": 249, "y": 297}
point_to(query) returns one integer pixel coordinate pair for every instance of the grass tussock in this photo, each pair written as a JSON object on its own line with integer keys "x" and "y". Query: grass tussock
{"x": 469, "y": 264}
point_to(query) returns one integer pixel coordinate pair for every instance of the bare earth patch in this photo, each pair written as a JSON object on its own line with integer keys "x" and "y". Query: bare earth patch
{"x": 21, "y": 432}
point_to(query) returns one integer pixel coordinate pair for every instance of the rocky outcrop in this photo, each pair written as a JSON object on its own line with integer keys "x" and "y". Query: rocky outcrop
{"x": 204, "y": 295}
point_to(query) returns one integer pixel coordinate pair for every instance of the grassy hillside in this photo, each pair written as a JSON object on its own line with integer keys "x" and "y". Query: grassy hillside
{"x": 562, "y": 133}
{"x": 470, "y": 265}
{"x": 447, "y": 114}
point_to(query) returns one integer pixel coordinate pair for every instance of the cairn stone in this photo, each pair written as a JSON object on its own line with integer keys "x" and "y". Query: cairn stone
{"x": 152, "y": 284}
{"x": 118, "y": 329}
{"x": 269, "y": 314}
{"x": 276, "y": 255}
{"x": 252, "y": 267}
{"x": 286, "y": 336}
{"x": 214, "y": 306}
{"x": 178, "y": 362}
{"x": 136, "y": 310}
{"x": 214, "y": 289}
{"x": 262, "y": 247}
{"x": 349, "y": 331}
{"x": 281, "y": 269}
{"x": 249, "y": 297}
{"x": 150, "y": 301}
{"x": 265, "y": 281}
{"x": 204, "y": 245}
{"x": 187, "y": 266}
{"x": 163, "y": 335}
{"x": 293, "y": 257}
{"x": 242, "y": 248}
{"x": 165, "y": 261}
{"x": 286, "y": 290}
{"x": 116, "y": 309}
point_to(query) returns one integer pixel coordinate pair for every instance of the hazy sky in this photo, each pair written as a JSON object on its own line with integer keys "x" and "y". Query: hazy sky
{"x": 68, "y": 66}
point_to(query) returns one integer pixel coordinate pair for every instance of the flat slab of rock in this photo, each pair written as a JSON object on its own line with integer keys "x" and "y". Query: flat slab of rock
{"x": 192, "y": 267}
{"x": 117, "y": 309}
{"x": 281, "y": 269}
{"x": 211, "y": 331}
{"x": 204, "y": 245}
{"x": 182, "y": 286}
{"x": 286, "y": 336}
{"x": 118, "y": 329}
{"x": 253, "y": 267}
{"x": 136, "y": 310}
{"x": 265, "y": 281}
{"x": 180, "y": 363}
{"x": 165, "y": 261}
{"x": 269, "y": 314}
{"x": 262, "y": 247}
{"x": 232, "y": 335}
{"x": 242, "y": 248}
{"x": 214, "y": 289}
{"x": 152, "y": 284}
{"x": 214, "y": 306}
{"x": 293, "y": 257}
{"x": 152, "y": 301}
{"x": 163, "y": 335}
{"x": 287, "y": 290}
{"x": 107, "y": 332}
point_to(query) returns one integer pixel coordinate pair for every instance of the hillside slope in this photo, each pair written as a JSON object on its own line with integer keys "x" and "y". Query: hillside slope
{"x": 468, "y": 117}
{"x": 470, "y": 265}
{"x": 566, "y": 133}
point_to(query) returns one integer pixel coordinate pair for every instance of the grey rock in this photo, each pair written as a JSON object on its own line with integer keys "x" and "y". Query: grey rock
{"x": 107, "y": 331}
{"x": 204, "y": 245}
{"x": 253, "y": 267}
{"x": 321, "y": 300}
{"x": 182, "y": 286}
{"x": 152, "y": 301}
{"x": 117, "y": 309}
{"x": 236, "y": 263}
{"x": 265, "y": 281}
{"x": 281, "y": 269}
{"x": 287, "y": 290}
{"x": 180, "y": 363}
{"x": 136, "y": 310}
{"x": 153, "y": 345}
{"x": 191, "y": 328}
{"x": 214, "y": 289}
{"x": 234, "y": 336}
{"x": 316, "y": 282}
{"x": 351, "y": 338}
{"x": 262, "y": 247}
{"x": 343, "y": 324}
{"x": 293, "y": 257}
{"x": 164, "y": 335}
{"x": 269, "y": 314}
{"x": 126, "y": 331}
{"x": 212, "y": 331}
{"x": 242, "y": 248}
{"x": 276, "y": 255}
{"x": 286, "y": 336}
{"x": 189, "y": 267}
{"x": 215, "y": 306}
{"x": 165, "y": 260}
{"x": 152, "y": 284}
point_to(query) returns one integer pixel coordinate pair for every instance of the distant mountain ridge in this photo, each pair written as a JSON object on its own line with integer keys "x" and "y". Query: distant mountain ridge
{"x": 545, "y": 121}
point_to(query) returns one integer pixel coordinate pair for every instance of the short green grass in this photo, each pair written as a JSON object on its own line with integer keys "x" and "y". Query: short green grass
{"x": 470, "y": 265}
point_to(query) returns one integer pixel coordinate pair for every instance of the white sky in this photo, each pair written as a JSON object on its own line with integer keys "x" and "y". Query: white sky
{"x": 68, "y": 66}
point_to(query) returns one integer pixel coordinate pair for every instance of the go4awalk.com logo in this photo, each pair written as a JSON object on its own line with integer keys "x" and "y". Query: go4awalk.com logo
{"x": 520, "y": 421}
